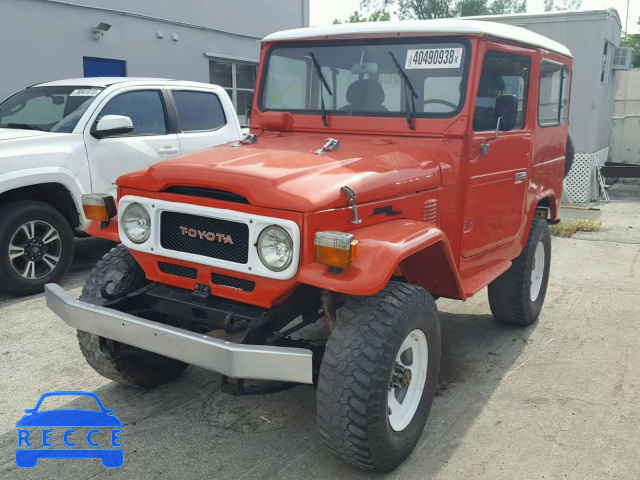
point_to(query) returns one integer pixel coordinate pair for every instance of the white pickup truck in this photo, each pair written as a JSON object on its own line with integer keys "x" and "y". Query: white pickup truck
{"x": 62, "y": 139}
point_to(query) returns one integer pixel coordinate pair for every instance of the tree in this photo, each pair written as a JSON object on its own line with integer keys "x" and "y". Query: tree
{"x": 633, "y": 40}
{"x": 559, "y": 5}
{"x": 376, "y": 16}
{"x": 430, "y": 9}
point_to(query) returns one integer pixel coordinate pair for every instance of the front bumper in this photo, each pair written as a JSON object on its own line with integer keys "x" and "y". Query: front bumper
{"x": 257, "y": 362}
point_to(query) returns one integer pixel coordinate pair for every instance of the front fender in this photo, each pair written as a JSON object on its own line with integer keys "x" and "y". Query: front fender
{"x": 110, "y": 232}
{"x": 418, "y": 251}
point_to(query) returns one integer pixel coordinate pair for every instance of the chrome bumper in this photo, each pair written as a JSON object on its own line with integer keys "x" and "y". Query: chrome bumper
{"x": 257, "y": 362}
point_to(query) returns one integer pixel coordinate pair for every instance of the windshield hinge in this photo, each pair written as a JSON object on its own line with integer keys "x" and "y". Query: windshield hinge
{"x": 246, "y": 140}
{"x": 331, "y": 145}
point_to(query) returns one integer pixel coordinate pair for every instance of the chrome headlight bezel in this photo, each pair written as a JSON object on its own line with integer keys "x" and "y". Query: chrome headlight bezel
{"x": 286, "y": 239}
{"x": 143, "y": 214}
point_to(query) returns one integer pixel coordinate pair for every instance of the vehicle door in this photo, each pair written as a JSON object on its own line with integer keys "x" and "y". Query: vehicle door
{"x": 201, "y": 119}
{"x": 498, "y": 179}
{"x": 152, "y": 140}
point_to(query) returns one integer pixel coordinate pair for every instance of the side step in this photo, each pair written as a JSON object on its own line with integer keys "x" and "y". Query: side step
{"x": 477, "y": 282}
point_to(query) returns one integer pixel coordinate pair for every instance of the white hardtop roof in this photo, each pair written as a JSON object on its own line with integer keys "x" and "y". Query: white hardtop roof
{"x": 443, "y": 26}
{"x": 108, "y": 81}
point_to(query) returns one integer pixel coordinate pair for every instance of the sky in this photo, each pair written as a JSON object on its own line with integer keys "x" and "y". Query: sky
{"x": 323, "y": 12}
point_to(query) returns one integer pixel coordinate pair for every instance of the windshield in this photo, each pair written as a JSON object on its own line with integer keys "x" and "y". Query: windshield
{"x": 368, "y": 78}
{"x": 50, "y": 109}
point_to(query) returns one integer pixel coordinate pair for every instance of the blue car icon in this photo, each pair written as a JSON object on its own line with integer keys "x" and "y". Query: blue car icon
{"x": 69, "y": 419}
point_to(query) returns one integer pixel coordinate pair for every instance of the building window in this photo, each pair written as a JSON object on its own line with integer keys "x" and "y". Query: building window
{"x": 239, "y": 80}
{"x": 606, "y": 61}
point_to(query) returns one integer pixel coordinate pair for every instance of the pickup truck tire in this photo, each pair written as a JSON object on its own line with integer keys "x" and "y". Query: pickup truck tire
{"x": 36, "y": 246}
{"x": 118, "y": 274}
{"x": 371, "y": 413}
{"x": 516, "y": 297}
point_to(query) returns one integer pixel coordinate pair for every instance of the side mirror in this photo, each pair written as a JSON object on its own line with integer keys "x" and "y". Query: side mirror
{"x": 505, "y": 115}
{"x": 112, "y": 125}
{"x": 507, "y": 111}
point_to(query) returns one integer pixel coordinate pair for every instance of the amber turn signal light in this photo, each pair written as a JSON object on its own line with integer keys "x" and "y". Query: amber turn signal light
{"x": 335, "y": 249}
{"x": 99, "y": 207}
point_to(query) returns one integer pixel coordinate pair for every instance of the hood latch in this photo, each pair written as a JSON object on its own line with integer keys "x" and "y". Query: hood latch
{"x": 351, "y": 195}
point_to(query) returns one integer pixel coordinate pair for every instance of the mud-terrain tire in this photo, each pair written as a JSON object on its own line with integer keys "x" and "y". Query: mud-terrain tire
{"x": 516, "y": 297}
{"x": 354, "y": 386}
{"x": 569, "y": 155}
{"x": 119, "y": 274}
{"x": 36, "y": 246}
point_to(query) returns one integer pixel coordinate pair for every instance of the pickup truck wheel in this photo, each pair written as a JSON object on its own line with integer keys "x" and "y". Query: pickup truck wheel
{"x": 517, "y": 296}
{"x": 379, "y": 376}
{"x": 118, "y": 274}
{"x": 36, "y": 246}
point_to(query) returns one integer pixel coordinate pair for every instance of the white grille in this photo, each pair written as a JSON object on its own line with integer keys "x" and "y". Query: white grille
{"x": 429, "y": 211}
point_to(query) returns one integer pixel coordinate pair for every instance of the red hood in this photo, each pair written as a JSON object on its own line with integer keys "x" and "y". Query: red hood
{"x": 283, "y": 172}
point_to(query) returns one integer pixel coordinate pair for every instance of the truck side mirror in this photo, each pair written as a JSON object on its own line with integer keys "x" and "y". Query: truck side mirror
{"x": 505, "y": 115}
{"x": 506, "y": 111}
{"x": 112, "y": 125}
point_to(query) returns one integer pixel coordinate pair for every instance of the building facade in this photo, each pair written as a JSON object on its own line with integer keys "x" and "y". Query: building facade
{"x": 202, "y": 40}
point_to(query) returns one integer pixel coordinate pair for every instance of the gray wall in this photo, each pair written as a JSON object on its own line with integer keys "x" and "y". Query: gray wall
{"x": 42, "y": 40}
{"x": 584, "y": 34}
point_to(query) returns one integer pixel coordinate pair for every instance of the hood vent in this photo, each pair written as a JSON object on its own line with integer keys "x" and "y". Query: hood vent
{"x": 399, "y": 161}
{"x": 208, "y": 193}
{"x": 430, "y": 211}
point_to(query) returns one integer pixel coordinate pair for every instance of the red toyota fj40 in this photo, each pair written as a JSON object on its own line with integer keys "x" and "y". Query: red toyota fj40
{"x": 388, "y": 164}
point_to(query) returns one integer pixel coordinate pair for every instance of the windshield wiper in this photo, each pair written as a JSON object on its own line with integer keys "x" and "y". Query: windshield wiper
{"x": 24, "y": 126}
{"x": 407, "y": 87}
{"x": 318, "y": 69}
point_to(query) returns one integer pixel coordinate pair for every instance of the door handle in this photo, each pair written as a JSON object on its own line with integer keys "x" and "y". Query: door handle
{"x": 520, "y": 177}
{"x": 168, "y": 151}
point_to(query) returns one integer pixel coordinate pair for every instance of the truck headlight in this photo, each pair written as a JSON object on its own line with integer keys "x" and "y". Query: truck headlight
{"x": 136, "y": 223}
{"x": 275, "y": 248}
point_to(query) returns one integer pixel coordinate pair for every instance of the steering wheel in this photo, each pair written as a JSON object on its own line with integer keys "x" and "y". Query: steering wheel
{"x": 451, "y": 105}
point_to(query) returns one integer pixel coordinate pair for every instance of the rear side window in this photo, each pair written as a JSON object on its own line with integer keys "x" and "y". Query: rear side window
{"x": 502, "y": 74}
{"x": 145, "y": 109}
{"x": 553, "y": 100}
{"x": 199, "y": 111}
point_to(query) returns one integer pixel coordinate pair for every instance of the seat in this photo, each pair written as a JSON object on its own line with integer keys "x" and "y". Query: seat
{"x": 365, "y": 95}
{"x": 490, "y": 88}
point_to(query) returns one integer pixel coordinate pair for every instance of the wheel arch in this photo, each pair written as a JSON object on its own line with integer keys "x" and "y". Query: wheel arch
{"x": 417, "y": 251}
{"x": 52, "y": 193}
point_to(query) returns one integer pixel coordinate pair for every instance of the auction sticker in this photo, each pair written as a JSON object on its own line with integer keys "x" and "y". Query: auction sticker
{"x": 434, "y": 58}
{"x": 87, "y": 92}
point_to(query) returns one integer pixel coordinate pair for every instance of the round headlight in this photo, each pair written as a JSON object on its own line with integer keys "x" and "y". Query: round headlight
{"x": 275, "y": 248}
{"x": 136, "y": 223}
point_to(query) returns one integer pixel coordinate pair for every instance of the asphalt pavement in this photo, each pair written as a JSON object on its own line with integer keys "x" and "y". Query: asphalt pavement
{"x": 558, "y": 399}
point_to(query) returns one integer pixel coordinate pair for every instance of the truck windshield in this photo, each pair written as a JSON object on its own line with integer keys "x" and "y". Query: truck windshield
{"x": 377, "y": 78}
{"x": 49, "y": 109}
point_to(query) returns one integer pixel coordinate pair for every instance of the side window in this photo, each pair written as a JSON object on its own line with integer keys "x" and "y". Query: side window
{"x": 198, "y": 111}
{"x": 145, "y": 109}
{"x": 553, "y": 98}
{"x": 502, "y": 74}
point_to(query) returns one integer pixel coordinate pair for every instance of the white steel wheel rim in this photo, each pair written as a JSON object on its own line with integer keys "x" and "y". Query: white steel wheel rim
{"x": 403, "y": 401}
{"x": 537, "y": 271}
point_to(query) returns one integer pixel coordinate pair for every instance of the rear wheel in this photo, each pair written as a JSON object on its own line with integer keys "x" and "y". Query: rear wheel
{"x": 116, "y": 275}
{"x": 36, "y": 246}
{"x": 517, "y": 296}
{"x": 378, "y": 376}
